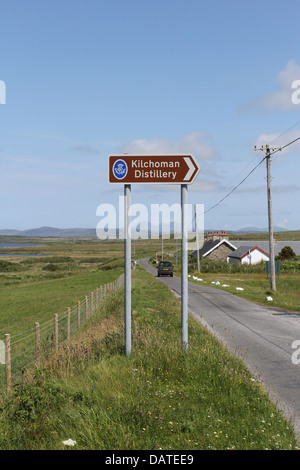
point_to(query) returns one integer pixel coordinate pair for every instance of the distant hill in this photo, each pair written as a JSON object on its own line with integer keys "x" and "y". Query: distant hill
{"x": 52, "y": 232}
{"x": 257, "y": 230}
{"x": 91, "y": 232}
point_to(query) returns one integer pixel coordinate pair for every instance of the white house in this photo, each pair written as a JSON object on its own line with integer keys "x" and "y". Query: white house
{"x": 248, "y": 255}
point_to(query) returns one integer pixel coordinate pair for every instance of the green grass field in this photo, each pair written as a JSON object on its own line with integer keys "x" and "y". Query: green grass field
{"x": 284, "y": 235}
{"x": 33, "y": 288}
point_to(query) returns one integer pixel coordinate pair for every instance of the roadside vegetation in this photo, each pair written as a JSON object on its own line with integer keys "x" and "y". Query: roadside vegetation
{"x": 252, "y": 282}
{"x": 159, "y": 398}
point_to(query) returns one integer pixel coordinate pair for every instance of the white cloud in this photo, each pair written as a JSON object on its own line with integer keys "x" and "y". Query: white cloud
{"x": 87, "y": 149}
{"x": 200, "y": 186}
{"x": 206, "y": 186}
{"x": 282, "y": 98}
{"x": 193, "y": 143}
{"x": 278, "y": 140}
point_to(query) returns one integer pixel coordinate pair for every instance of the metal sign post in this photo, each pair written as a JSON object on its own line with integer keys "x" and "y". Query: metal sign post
{"x": 127, "y": 251}
{"x": 184, "y": 269}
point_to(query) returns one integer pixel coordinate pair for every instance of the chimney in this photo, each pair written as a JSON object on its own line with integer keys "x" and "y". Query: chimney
{"x": 217, "y": 235}
{"x": 224, "y": 235}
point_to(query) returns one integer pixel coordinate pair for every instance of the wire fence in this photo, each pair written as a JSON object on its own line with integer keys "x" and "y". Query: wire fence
{"x": 28, "y": 348}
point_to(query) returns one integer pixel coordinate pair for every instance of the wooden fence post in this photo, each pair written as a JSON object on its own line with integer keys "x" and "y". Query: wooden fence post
{"x": 92, "y": 301}
{"x": 7, "y": 363}
{"x": 78, "y": 314}
{"x": 69, "y": 324}
{"x": 56, "y": 332}
{"x": 86, "y": 307}
{"x": 37, "y": 344}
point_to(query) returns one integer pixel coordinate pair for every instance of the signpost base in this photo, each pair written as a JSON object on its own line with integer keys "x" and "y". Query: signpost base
{"x": 184, "y": 269}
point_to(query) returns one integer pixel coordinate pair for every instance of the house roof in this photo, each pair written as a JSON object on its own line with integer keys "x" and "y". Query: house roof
{"x": 264, "y": 245}
{"x": 211, "y": 245}
{"x": 242, "y": 251}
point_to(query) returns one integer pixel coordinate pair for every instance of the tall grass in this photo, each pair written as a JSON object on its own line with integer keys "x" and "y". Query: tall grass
{"x": 158, "y": 398}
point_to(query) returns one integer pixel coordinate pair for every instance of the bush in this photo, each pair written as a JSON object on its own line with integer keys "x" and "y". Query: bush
{"x": 51, "y": 267}
{"x": 286, "y": 253}
{"x": 8, "y": 267}
{"x": 210, "y": 266}
{"x": 290, "y": 266}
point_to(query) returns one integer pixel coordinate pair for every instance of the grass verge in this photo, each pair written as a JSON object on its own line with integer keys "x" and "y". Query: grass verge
{"x": 256, "y": 287}
{"x": 158, "y": 398}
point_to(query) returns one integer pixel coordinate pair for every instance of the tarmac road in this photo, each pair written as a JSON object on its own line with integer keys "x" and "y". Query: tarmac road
{"x": 262, "y": 336}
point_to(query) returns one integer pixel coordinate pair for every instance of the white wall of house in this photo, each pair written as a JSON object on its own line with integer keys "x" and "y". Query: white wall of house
{"x": 254, "y": 257}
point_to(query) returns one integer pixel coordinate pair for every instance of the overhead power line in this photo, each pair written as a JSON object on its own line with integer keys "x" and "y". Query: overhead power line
{"x": 284, "y": 146}
{"x": 285, "y": 132}
{"x": 267, "y": 157}
{"x": 227, "y": 195}
{"x": 275, "y": 150}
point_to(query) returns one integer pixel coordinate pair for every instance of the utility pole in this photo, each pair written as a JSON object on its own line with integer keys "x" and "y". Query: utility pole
{"x": 176, "y": 246}
{"x": 270, "y": 218}
{"x": 270, "y": 214}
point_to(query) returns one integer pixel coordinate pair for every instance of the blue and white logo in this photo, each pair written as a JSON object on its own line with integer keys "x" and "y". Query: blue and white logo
{"x": 120, "y": 169}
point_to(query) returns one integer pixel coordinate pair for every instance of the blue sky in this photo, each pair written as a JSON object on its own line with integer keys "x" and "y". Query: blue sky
{"x": 86, "y": 79}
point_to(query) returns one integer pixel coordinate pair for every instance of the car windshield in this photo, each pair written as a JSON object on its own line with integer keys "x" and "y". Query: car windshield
{"x": 165, "y": 264}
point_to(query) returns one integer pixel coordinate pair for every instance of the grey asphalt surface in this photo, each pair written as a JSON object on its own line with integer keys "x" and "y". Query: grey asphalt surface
{"x": 262, "y": 336}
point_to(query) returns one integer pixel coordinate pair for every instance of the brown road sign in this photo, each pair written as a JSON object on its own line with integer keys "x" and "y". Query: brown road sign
{"x": 165, "y": 169}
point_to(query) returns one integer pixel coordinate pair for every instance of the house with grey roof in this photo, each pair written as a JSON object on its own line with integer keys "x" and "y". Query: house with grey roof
{"x": 248, "y": 255}
{"x": 264, "y": 244}
{"x": 218, "y": 247}
{"x": 215, "y": 249}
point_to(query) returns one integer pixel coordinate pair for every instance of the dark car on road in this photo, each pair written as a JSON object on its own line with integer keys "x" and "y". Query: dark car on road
{"x": 165, "y": 268}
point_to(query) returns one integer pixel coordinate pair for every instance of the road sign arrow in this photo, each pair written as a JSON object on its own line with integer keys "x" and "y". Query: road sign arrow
{"x": 191, "y": 169}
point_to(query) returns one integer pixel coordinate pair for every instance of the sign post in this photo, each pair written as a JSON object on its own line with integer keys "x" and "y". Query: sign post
{"x": 127, "y": 251}
{"x": 151, "y": 169}
{"x": 184, "y": 269}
